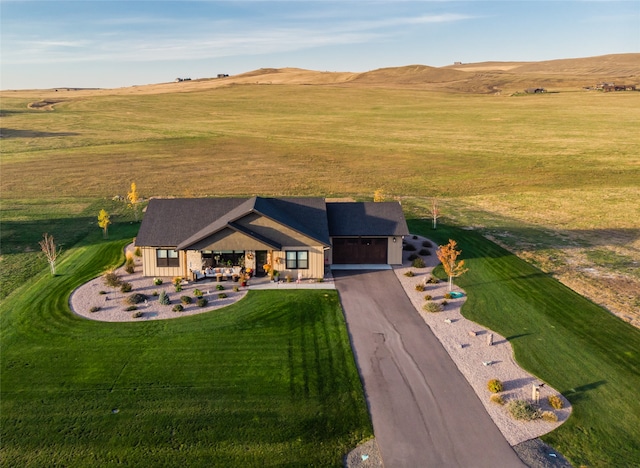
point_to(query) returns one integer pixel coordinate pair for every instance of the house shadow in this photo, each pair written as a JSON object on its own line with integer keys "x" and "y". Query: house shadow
{"x": 578, "y": 393}
{"x": 8, "y": 133}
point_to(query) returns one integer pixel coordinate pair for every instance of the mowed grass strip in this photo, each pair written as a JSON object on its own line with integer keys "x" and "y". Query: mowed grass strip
{"x": 589, "y": 355}
{"x": 268, "y": 381}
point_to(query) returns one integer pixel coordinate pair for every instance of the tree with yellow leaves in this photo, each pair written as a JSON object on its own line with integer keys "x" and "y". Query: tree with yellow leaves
{"x": 378, "y": 196}
{"x": 133, "y": 197}
{"x": 104, "y": 221}
{"x": 448, "y": 256}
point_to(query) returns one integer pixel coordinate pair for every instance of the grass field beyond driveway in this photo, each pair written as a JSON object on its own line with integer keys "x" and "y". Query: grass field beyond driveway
{"x": 268, "y": 381}
{"x": 586, "y": 353}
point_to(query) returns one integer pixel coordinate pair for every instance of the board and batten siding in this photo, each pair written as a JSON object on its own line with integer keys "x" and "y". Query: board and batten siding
{"x": 316, "y": 263}
{"x": 150, "y": 268}
{"x": 394, "y": 251}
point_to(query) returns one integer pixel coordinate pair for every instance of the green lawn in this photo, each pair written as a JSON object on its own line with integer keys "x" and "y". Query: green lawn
{"x": 268, "y": 381}
{"x": 590, "y": 356}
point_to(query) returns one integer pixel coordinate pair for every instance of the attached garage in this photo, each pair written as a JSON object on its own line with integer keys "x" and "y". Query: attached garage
{"x": 366, "y": 233}
{"x": 354, "y": 250}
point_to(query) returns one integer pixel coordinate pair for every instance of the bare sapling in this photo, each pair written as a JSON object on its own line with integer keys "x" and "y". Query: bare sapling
{"x": 48, "y": 246}
{"x": 435, "y": 212}
{"x": 448, "y": 256}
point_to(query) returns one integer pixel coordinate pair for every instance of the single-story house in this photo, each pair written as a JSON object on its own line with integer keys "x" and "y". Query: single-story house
{"x": 298, "y": 237}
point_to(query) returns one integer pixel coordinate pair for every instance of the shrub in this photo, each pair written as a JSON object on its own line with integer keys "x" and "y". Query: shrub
{"x": 408, "y": 247}
{"x": 164, "y": 298}
{"x": 415, "y": 237}
{"x": 186, "y": 300}
{"x": 136, "y": 298}
{"x": 137, "y": 314}
{"x": 130, "y": 268}
{"x": 420, "y": 287}
{"x": 219, "y": 287}
{"x": 428, "y": 297}
{"x": 448, "y": 296}
{"x": 555, "y": 402}
{"x": 112, "y": 279}
{"x": 410, "y": 274}
{"x": 431, "y": 306}
{"x": 178, "y": 307}
{"x": 102, "y": 292}
{"x": 155, "y": 293}
{"x": 202, "y": 302}
{"x": 494, "y": 386}
{"x": 131, "y": 307}
{"x": 157, "y": 281}
{"x": 412, "y": 257}
{"x": 222, "y": 295}
{"x": 176, "y": 280}
{"x": 418, "y": 263}
{"x": 424, "y": 252}
{"x": 432, "y": 280}
{"x": 549, "y": 416}
{"x": 94, "y": 309}
{"x": 426, "y": 243}
{"x": 197, "y": 293}
{"x": 497, "y": 399}
{"x": 178, "y": 287}
{"x": 126, "y": 287}
{"x": 444, "y": 303}
{"x": 236, "y": 289}
{"x": 523, "y": 410}
{"x": 137, "y": 252}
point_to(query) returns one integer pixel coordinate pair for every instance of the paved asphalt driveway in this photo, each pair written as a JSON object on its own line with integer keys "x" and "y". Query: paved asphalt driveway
{"x": 424, "y": 412}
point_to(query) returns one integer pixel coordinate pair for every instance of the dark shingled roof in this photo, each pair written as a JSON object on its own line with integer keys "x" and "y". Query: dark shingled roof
{"x": 185, "y": 221}
{"x": 366, "y": 219}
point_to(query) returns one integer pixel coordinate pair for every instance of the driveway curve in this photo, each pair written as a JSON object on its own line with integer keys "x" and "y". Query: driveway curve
{"x": 424, "y": 412}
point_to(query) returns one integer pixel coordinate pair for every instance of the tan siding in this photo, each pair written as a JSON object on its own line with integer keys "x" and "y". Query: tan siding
{"x": 394, "y": 251}
{"x": 149, "y": 267}
{"x": 316, "y": 263}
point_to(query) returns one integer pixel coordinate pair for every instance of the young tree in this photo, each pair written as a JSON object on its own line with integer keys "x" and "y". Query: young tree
{"x": 448, "y": 255}
{"x": 378, "y": 196}
{"x": 133, "y": 197}
{"x": 435, "y": 212}
{"x": 48, "y": 246}
{"x": 103, "y": 222}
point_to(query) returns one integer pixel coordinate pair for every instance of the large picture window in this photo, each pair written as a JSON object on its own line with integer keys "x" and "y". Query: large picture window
{"x": 167, "y": 258}
{"x": 297, "y": 259}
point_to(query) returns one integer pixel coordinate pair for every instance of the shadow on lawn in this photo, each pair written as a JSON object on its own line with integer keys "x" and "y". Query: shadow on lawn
{"x": 579, "y": 393}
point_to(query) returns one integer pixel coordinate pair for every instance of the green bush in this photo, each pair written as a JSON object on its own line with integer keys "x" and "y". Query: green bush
{"x": 178, "y": 307}
{"x": 126, "y": 287}
{"x": 131, "y": 307}
{"x": 112, "y": 279}
{"x": 418, "y": 263}
{"x": 222, "y": 295}
{"x": 94, "y": 309}
{"x": 428, "y": 297}
{"x": 549, "y": 416}
{"x": 555, "y": 402}
{"x": 186, "y": 300}
{"x": 178, "y": 287}
{"x": 523, "y": 410}
{"x": 420, "y": 287}
{"x": 219, "y": 287}
{"x": 410, "y": 274}
{"x": 164, "y": 298}
{"x": 236, "y": 289}
{"x": 136, "y": 298}
{"x": 202, "y": 302}
{"x": 432, "y": 280}
{"x": 137, "y": 252}
{"x": 197, "y": 293}
{"x": 431, "y": 306}
{"x": 497, "y": 399}
{"x": 130, "y": 268}
{"x": 157, "y": 281}
{"x": 494, "y": 386}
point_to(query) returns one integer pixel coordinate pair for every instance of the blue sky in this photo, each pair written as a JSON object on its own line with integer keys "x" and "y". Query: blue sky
{"x": 46, "y": 44}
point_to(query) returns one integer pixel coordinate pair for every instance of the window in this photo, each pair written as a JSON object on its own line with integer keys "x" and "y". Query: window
{"x": 297, "y": 259}
{"x": 167, "y": 258}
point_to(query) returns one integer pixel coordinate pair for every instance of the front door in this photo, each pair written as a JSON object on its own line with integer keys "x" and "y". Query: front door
{"x": 261, "y": 259}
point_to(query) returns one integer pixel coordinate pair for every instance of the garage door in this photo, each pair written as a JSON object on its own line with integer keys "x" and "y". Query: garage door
{"x": 359, "y": 250}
